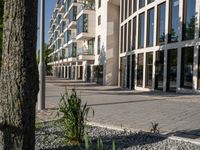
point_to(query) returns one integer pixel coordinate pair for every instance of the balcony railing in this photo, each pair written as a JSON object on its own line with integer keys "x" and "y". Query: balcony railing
{"x": 85, "y": 51}
{"x": 86, "y": 6}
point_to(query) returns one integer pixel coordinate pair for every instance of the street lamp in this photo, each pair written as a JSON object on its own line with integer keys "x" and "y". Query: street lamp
{"x": 41, "y": 94}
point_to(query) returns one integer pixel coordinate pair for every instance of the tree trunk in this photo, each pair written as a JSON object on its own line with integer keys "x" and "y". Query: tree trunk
{"x": 19, "y": 76}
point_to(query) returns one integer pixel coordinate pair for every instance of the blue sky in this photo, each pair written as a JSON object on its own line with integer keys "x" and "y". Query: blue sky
{"x": 49, "y": 4}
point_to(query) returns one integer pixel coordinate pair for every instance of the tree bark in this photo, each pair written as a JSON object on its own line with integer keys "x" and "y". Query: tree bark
{"x": 19, "y": 76}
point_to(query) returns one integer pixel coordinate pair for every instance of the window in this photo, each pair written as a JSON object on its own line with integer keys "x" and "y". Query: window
{"x": 173, "y": 21}
{"x": 125, "y": 37}
{"x": 161, "y": 24}
{"x": 150, "y": 27}
{"x": 189, "y": 19}
{"x": 149, "y": 69}
{"x": 140, "y": 60}
{"x": 134, "y": 5}
{"x": 159, "y": 72}
{"x": 122, "y": 11}
{"x": 129, "y": 36}
{"x": 130, "y": 7}
{"x": 99, "y": 4}
{"x": 141, "y": 3}
{"x": 134, "y": 34}
{"x": 99, "y": 44}
{"x": 187, "y": 67}
{"x": 171, "y": 69}
{"x": 122, "y": 39}
{"x": 141, "y": 31}
{"x": 99, "y": 19}
{"x": 82, "y": 24}
{"x": 150, "y": 1}
{"x": 126, "y": 8}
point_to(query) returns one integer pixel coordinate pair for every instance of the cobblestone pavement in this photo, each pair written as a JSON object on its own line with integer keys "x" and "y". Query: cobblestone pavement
{"x": 176, "y": 114}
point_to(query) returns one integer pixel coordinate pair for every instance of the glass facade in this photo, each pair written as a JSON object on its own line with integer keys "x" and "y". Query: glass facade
{"x": 171, "y": 69}
{"x": 149, "y": 69}
{"x": 82, "y": 24}
{"x": 122, "y": 39}
{"x": 128, "y": 72}
{"x": 130, "y": 7}
{"x": 150, "y": 27}
{"x": 123, "y": 61}
{"x": 72, "y": 14}
{"x": 141, "y": 31}
{"x": 173, "y": 21}
{"x": 140, "y": 65}
{"x": 159, "y": 72}
{"x": 134, "y": 34}
{"x": 129, "y": 36}
{"x": 134, "y": 5}
{"x": 161, "y": 24}
{"x": 125, "y": 37}
{"x": 189, "y": 19}
{"x": 187, "y": 67}
{"x": 142, "y": 3}
{"x": 133, "y": 73}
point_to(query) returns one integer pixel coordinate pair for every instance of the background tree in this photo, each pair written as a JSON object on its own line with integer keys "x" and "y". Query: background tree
{"x": 47, "y": 59}
{"x": 19, "y": 75}
{"x": 1, "y": 29}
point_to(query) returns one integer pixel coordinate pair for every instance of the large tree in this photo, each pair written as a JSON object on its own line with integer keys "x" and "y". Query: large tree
{"x": 19, "y": 75}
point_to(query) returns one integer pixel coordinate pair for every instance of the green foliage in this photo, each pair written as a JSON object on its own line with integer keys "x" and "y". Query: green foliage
{"x": 74, "y": 117}
{"x": 47, "y": 60}
{"x": 154, "y": 127}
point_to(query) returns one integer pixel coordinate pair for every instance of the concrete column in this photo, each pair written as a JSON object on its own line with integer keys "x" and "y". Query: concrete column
{"x": 85, "y": 71}
{"x": 154, "y": 70}
{"x": 67, "y": 72}
{"x": 64, "y": 71}
{"x": 76, "y": 71}
{"x": 195, "y": 67}
{"x": 144, "y": 70}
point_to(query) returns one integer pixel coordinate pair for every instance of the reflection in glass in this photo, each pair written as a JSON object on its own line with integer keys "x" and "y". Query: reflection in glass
{"x": 174, "y": 21}
{"x": 149, "y": 69}
{"x": 189, "y": 19}
{"x": 159, "y": 70}
{"x": 187, "y": 67}
{"x": 161, "y": 24}
{"x": 141, "y": 31}
{"x": 171, "y": 70}
{"x": 150, "y": 27}
{"x": 140, "y": 64}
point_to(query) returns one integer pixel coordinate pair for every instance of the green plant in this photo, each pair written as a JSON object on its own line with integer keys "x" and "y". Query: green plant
{"x": 154, "y": 127}
{"x": 74, "y": 117}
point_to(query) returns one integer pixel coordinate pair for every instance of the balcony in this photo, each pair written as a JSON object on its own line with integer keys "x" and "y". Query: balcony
{"x": 86, "y": 6}
{"x": 85, "y": 53}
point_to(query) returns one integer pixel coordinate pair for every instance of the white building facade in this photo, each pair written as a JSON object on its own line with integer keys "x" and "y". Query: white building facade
{"x": 81, "y": 37}
{"x": 159, "y": 45}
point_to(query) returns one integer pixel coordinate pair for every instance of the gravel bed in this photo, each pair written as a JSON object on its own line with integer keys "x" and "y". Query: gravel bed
{"x": 51, "y": 137}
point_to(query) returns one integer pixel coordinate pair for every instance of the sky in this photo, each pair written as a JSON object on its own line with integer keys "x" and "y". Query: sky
{"x": 49, "y": 7}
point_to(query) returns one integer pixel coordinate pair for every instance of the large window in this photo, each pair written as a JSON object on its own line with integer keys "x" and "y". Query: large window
{"x": 82, "y": 24}
{"x": 72, "y": 14}
{"x": 122, "y": 39}
{"x": 134, "y": 34}
{"x": 125, "y": 37}
{"x": 140, "y": 66}
{"x": 187, "y": 67}
{"x": 171, "y": 70}
{"x": 122, "y": 11}
{"x": 130, "y": 7}
{"x": 174, "y": 21}
{"x": 159, "y": 70}
{"x": 161, "y": 24}
{"x": 150, "y": 27}
{"x": 129, "y": 36}
{"x": 141, "y": 31}
{"x": 126, "y": 8}
{"x": 149, "y": 69}
{"x": 134, "y": 5}
{"x": 189, "y": 19}
{"x": 141, "y": 3}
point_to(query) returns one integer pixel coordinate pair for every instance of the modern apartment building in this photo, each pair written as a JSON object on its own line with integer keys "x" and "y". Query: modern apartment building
{"x": 160, "y": 45}
{"x": 84, "y": 37}
{"x": 137, "y": 44}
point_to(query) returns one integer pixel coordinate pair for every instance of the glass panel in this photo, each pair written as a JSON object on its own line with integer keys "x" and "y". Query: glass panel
{"x": 130, "y": 7}
{"x": 150, "y": 27}
{"x": 187, "y": 67}
{"x": 129, "y": 36}
{"x": 150, "y": 1}
{"x": 174, "y": 21}
{"x": 123, "y": 71}
{"x": 189, "y": 19}
{"x": 141, "y": 3}
{"x": 171, "y": 70}
{"x": 126, "y": 9}
{"x": 161, "y": 24}
{"x": 125, "y": 38}
{"x": 141, "y": 31}
{"x": 122, "y": 11}
{"x": 134, "y": 34}
{"x": 149, "y": 69}
{"x": 122, "y": 33}
{"x": 140, "y": 61}
{"x": 134, "y": 5}
{"x": 133, "y": 73}
{"x": 82, "y": 24}
{"x": 128, "y": 72}
{"x": 159, "y": 73}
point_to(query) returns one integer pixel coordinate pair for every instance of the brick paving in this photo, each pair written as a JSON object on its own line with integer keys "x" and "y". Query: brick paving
{"x": 175, "y": 113}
